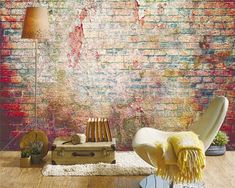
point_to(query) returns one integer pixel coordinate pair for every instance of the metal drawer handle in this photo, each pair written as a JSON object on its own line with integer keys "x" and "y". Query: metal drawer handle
{"x": 77, "y": 154}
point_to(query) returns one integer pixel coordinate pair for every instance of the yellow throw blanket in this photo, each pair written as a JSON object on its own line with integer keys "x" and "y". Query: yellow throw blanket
{"x": 182, "y": 158}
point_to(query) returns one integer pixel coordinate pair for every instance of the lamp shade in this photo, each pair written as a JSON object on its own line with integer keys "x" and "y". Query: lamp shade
{"x": 36, "y": 25}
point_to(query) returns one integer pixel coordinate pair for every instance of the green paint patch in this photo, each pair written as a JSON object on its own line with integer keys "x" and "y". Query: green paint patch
{"x": 11, "y": 32}
{"x": 197, "y": 62}
{"x": 129, "y": 125}
{"x": 2, "y": 4}
{"x": 60, "y": 75}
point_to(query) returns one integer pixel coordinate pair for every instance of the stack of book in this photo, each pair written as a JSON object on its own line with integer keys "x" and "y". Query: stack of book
{"x": 98, "y": 130}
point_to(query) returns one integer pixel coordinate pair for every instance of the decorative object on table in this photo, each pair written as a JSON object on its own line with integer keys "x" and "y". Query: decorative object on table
{"x": 25, "y": 159}
{"x": 98, "y": 130}
{"x": 218, "y": 145}
{"x": 89, "y": 152}
{"x": 144, "y": 142}
{"x": 36, "y": 27}
{"x": 32, "y": 136}
{"x": 36, "y": 151}
{"x": 77, "y": 139}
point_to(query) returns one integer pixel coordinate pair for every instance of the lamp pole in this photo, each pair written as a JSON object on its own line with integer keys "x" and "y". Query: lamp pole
{"x": 35, "y": 80}
{"x": 36, "y": 26}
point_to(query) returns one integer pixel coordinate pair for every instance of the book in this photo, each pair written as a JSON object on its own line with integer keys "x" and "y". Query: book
{"x": 104, "y": 134}
{"x": 92, "y": 130}
{"x": 96, "y": 130}
{"x": 99, "y": 131}
{"x": 88, "y": 130}
{"x": 107, "y": 129}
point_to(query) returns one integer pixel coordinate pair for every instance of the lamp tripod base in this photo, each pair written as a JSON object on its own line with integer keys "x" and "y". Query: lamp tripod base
{"x": 154, "y": 181}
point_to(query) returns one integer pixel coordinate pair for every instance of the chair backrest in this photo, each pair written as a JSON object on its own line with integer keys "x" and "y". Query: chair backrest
{"x": 209, "y": 124}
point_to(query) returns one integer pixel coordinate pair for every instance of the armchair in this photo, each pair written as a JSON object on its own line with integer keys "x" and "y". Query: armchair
{"x": 144, "y": 141}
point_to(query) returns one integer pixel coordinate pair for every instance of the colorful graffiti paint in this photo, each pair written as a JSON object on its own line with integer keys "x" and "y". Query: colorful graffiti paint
{"x": 139, "y": 63}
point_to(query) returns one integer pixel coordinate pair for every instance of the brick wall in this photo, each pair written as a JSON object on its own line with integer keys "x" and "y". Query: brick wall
{"x": 140, "y": 63}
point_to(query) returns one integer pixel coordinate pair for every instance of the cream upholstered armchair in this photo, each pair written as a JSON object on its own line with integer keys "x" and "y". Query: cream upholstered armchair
{"x": 144, "y": 141}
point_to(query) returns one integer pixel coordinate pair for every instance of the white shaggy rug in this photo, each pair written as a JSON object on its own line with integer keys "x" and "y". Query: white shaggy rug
{"x": 127, "y": 163}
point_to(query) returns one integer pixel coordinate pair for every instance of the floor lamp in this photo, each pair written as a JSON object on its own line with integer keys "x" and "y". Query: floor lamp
{"x": 36, "y": 27}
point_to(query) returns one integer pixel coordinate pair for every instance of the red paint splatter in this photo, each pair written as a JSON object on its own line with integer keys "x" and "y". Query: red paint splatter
{"x": 7, "y": 77}
{"x": 16, "y": 114}
{"x": 15, "y": 133}
{"x": 136, "y": 13}
{"x": 4, "y": 66}
{"x": 5, "y": 94}
{"x": 136, "y": 10}
{"x": 136, "y": 64}
{"x": 10, "y": 106}
{"x": 5, "y": 39}
{"x": 5, "y": 80}
{"x": 5, "y": 72}
{"x": 141, "y": 21}
{"x": 9, "y": 19}
{"x": 83, "y": 14}
{"x": 76, "y": 40}
{"x": 97, "y": 55}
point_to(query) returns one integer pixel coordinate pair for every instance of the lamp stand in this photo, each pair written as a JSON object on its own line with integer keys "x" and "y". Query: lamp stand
{"x": 36, "y": 26}
{"x": 35, "y": 80}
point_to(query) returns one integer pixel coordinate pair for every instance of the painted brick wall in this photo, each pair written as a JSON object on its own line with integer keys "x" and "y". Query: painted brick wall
{"x": 140, "y": 63}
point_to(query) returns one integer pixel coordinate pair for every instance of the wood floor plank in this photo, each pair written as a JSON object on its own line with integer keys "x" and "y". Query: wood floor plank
{"x": 219, "y": 172}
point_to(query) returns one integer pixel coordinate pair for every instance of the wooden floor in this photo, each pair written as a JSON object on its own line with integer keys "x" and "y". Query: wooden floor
{"x": 219, "y": 173}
